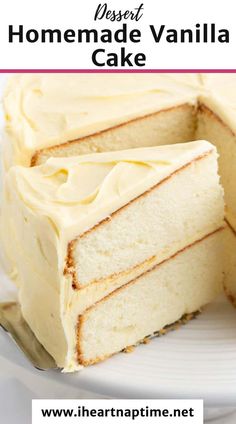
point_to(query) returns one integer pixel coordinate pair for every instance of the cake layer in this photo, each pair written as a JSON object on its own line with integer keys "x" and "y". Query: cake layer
{"x": 182, "y": 284}
{"x": 217, "y": 132}
{"x": 176, "y": 124}
{"x": 43, "y": 110}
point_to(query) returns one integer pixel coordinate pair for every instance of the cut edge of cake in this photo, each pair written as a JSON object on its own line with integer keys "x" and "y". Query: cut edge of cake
{"x": 112, "y": 139}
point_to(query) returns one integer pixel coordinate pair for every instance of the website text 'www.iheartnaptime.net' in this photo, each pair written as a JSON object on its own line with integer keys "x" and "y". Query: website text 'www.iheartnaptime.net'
{"x": 168, "y": 411}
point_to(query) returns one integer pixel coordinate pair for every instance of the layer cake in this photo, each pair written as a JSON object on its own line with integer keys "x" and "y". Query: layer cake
{"x": 116, "y": 246}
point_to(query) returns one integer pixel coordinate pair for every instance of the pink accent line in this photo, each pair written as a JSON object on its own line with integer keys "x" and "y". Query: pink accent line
{"x": 116, "y": 71}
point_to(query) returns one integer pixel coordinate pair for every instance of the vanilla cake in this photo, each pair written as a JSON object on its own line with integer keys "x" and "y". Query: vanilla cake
{"x": 48, "y": 115}
{"x": 117, "y": 245}
{"x": 67, "y": 115}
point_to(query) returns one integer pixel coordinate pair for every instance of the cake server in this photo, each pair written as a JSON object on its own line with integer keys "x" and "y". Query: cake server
{"x": 12, "y": 321}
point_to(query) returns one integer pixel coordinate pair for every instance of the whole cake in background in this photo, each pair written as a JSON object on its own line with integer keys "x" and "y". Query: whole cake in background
{"x": 69, "y": 115}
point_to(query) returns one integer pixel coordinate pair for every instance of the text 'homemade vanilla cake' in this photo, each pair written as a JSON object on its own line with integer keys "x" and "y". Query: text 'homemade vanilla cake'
{"x": 117, "y": 245}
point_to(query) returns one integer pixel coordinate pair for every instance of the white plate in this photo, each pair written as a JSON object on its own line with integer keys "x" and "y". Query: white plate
{"x": 196, "y": 361}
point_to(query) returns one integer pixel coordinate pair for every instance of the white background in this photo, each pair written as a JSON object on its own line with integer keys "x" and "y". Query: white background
{"x": 79, "y": 14}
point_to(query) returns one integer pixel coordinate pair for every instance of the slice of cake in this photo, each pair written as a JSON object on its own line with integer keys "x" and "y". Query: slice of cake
{"x": 115, "y": 245}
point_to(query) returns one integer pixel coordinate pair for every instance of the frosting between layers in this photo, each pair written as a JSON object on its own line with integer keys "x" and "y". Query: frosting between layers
{"x": 42, "y": 111}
